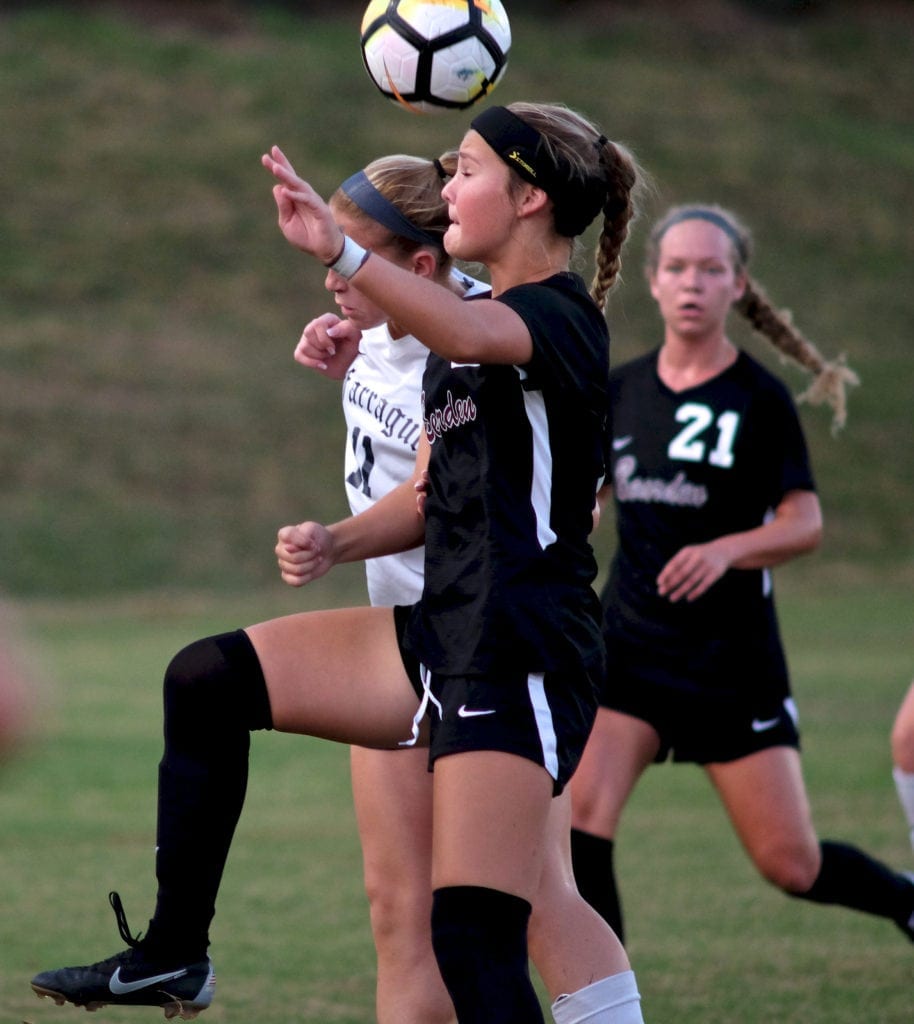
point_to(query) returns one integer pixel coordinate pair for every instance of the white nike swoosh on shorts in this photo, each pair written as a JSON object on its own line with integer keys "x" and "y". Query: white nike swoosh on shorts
{"x": 464, "y": 712}
{"x": 763, "y": 725}
{"x": 621, "y": 442}
{"x": 122, "y": 988}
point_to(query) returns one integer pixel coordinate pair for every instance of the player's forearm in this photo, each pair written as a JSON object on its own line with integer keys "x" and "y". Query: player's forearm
{"x": 391, "y": 525}
{"x": 795, "y": 530}
{"x": 466, "y": 332}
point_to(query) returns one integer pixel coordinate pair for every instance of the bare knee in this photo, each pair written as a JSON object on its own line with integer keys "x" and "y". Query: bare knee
{"x": 792, "y": 867}
{"x": 400, "y": 913}
{"x": 410, "y": 989}
{"x": 590, "y": 812}
{"x": 596, "y": 800}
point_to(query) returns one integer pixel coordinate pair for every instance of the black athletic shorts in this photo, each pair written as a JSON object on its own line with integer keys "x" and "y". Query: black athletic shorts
{"x": 706, "y": 728}
{"x": 545, "y": 717}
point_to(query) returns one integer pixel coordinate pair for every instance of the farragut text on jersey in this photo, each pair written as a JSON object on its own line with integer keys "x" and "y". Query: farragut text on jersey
{"x": 393, "y": 420}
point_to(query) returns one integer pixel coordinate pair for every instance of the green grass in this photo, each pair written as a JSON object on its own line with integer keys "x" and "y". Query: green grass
{"x": 711, "y": 943}
{"x": 155, "y": 428}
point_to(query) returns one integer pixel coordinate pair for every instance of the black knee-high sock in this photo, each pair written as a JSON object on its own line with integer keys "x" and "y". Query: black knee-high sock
{"x": 214, "y": 694}
{"x": 592, "y": 860}
{"x": 851, "y": 878}
{"x": 480, "y": 940}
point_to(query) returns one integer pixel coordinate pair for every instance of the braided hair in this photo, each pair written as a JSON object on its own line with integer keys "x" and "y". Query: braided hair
{"x": 591, "y": 175}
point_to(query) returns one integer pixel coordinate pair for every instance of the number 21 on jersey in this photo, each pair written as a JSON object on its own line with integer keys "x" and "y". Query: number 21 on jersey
{"x": 691, "y": 443}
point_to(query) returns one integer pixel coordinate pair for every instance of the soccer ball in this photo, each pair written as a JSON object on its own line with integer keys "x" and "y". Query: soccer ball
{"x": 435, "y": 55}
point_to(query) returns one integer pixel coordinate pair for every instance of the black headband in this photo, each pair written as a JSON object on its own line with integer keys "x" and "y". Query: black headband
{"x": 576, "y": 201}
{"x": 519, "y": 144}
{"x": 701, "y": 213}
{"x": 370, "y": 201}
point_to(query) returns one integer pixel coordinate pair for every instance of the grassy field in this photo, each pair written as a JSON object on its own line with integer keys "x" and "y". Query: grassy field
{"x": 155, "y": 431}
{"x": 712, "y": 944}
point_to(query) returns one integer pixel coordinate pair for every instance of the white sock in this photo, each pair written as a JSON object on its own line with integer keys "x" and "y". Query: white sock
{"x": 612, "y": 1000}
{"x": 904, "y": 783}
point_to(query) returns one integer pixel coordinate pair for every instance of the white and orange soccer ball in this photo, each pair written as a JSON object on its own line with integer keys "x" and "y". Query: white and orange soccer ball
{"x": 435, "y": 55}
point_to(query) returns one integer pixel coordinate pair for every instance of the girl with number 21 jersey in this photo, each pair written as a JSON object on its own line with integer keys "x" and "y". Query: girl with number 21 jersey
{"x": 712, "y": 488}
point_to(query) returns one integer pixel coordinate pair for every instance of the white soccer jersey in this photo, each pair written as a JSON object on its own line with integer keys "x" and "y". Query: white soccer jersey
{"x": 383, "y": 425}
{"x": 382, "y": 406}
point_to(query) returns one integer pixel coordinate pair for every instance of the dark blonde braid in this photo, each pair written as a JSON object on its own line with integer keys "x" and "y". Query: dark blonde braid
{"x": 619, "y": 211}
{"x": 576, "y": 144}
{"x": 831, "y": 378}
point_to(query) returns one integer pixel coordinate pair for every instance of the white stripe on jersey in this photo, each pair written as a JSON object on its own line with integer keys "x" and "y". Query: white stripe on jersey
{"x": 541, "y": 481}
{"x": 544, "y": 724}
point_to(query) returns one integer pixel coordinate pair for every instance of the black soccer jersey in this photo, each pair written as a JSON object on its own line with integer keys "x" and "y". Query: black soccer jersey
{"x": 688, "y": 467}
{"x": 516, "y": 457}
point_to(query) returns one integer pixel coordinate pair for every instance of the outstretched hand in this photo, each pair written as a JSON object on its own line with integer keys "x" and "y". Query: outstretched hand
{"x": 304, "y": 218}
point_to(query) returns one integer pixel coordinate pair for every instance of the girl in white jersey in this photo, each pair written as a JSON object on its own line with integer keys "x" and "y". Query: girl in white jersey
{"x": 712, "y": 487}
{"x": 495, "y": 666}
{"x": 395, "y": 207}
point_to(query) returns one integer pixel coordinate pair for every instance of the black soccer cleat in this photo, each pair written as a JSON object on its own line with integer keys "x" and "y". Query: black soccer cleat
{"x": 130, "y": 978}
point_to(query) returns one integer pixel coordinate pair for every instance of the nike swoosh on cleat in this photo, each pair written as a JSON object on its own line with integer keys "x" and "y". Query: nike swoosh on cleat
{"x": 122, "y": 988}
{"x": 760, "y": 725}
{"x": 464, "y": 712}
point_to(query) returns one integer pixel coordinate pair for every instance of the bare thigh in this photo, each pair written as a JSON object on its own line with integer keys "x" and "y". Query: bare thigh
{"x": 619, "y": 749}
{"x": 392, "y": 792}
{"x": 490, "y": 821}
{"x": 338, "y": 675}
{"x": 765, "y": 797}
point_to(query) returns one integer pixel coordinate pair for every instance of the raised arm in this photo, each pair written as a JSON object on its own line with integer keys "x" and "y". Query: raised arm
{"x": 482, "y": 331}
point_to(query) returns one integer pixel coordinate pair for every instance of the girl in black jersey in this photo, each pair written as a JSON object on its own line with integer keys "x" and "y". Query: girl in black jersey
{"x": 712, "y": 487}
{"x": 496, "y": 666}
{"x": 395, "y": 206}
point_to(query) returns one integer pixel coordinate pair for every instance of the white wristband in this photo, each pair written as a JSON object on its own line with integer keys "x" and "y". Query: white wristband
{"x": 350, "y": 259}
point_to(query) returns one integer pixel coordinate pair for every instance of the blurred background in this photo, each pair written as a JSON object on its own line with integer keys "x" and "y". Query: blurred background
{"x": 155, "y": 429}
